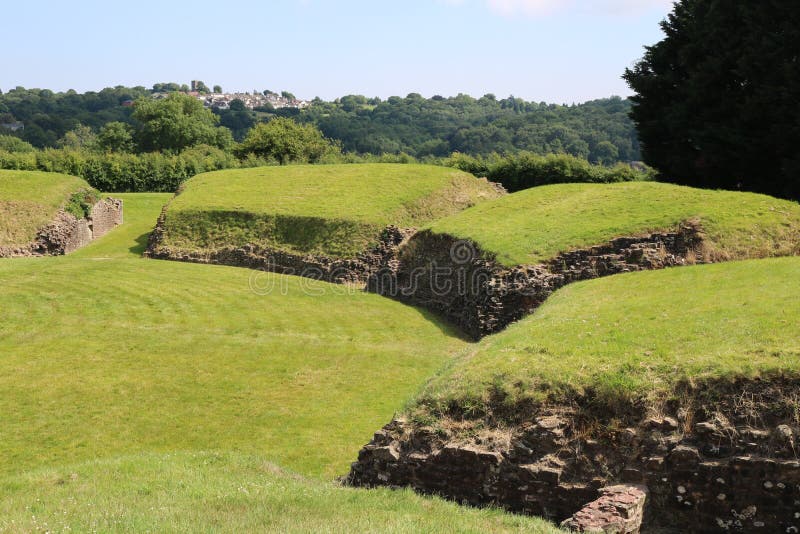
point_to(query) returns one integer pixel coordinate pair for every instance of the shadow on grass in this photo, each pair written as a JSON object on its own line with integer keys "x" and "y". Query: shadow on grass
{"x": 141, "y": 244}
{"x": 441, "y": 322}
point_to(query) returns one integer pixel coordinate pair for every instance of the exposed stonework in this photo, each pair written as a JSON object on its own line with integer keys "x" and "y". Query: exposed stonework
{"x": 106, "y": 215}
{"x": 66, "y": 233}
{"x": 456, "y": 279}
{"x": 354, "y": 270}
{"x": 714, "y": 464}
{"x": 619, "y": 510}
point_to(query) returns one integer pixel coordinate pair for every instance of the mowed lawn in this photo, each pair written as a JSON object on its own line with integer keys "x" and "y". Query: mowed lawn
{"x": 213, "y": 492}
{"x": 537, "y": 224}
{"x": 635, "y": 336}
{"x": 103, "y": 353}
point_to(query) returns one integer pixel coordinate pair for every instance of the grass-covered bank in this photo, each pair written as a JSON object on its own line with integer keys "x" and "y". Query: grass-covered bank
{"x": 634, "y": 337}
{"x": 537, "y": 224}
{"x": 332, "y": 210}
{"x": 29, "y": 200}
{"x": 104, "y": 353}
{"x": 224, "y": 492}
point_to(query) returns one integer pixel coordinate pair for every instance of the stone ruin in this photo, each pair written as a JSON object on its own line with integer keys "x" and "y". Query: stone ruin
{"x": 67, "y": 233}
{"x": 457, "y": 280}
{"x": 727, "y": 463}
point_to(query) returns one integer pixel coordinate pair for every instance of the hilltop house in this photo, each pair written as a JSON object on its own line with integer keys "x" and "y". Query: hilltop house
{"x": 13, "y": 126}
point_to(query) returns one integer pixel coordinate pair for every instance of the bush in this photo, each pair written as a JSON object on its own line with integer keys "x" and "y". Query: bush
{"x": 121, "y": 172}
{"x": 9, "y": 143}
{"x": 525, "y": 170}
{"x": 286, "y": 141}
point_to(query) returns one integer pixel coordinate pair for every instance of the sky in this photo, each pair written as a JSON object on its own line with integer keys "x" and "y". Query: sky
{"x": 559, "y": 51}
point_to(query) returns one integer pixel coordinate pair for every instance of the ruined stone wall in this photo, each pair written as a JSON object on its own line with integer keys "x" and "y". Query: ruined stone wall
{"x": 66, "y": 233}
{"x": 106, "y": 215}
{"x": 459, "y": 281}
{"x": 353, "y": 270}
{"x": 727, "y": 465}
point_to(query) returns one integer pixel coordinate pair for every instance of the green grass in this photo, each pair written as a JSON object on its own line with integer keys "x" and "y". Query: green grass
{"x": 537, "y": 224}
{"x": 207, "y": 492}
{"x": 334, "y": 210}
{"x": 637, "y": 336}
{"x": 29, "y": 200}
{"x": 103, "y": 353}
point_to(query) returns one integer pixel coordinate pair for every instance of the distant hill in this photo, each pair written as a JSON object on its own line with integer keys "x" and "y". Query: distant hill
{"x": 599, "y": 131}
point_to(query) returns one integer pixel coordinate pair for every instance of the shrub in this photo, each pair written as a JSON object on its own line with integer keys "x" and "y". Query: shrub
{"x": 525, "y": 169}
{"x": 9, "y": 143}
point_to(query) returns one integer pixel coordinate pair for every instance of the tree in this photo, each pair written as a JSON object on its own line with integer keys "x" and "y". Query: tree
{"x": 218, "y": 89}
{"x": 176, "y": 122}
{"x": 716, "y": 99}
{"x": 286, "y": 141}
{"x": 9, "y": 143}
{"x": 237, "y": 105}
{"x": 78, "y": 138}
{"x": 287, "y": 95}
{"x": 116, "y": 137}
{"x": 605, "y": 153}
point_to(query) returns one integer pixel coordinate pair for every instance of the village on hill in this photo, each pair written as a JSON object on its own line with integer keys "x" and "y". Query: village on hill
{"x": 251, "y": 101}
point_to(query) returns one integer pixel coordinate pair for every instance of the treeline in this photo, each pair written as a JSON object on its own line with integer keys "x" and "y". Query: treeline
{"x": 174, "y": 138}
{"x": 122, "y": 172}
{"x": 598, "y": 131}
{"x": 164, "y": 172}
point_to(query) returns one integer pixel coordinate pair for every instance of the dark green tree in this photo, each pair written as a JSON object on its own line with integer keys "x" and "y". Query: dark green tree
{"x": 176, "y": 122}
{"x": 116, "y": 137}
{"x": 716, "y": 100}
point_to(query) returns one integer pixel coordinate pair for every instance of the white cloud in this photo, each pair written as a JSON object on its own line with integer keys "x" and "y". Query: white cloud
{"x": 526, "y": 7}
{"x": 537, "y": 8}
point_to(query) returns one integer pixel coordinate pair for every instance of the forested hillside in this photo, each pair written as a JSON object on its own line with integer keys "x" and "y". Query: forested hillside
{"x": 599, "y": 131}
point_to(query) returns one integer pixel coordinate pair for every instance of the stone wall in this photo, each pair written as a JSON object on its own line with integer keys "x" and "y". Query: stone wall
{"x": 106, "y": 215}
{"x": 66, "y": 233}
{"x": 727, "y": 464}
{"x": 467, "y": 286}
{"x": 352, "y": 270}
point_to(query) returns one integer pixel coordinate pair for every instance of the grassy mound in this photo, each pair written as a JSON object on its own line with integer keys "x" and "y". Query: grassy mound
{"x": 105, "y": 353}
{"x": 29, "y": 200}
{"x": 537, "y": 224}
{"x": 223, "y": 493}
{"x": 636, "y": 336}
{"x": 331, "y": 210}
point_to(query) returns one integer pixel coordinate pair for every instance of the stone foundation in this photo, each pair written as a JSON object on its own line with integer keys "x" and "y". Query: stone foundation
{"x": 723, "y": 464}
{"x": 468, "y": 287}
{"x": 67, "y": 233}
{"x": 354, "y": 270}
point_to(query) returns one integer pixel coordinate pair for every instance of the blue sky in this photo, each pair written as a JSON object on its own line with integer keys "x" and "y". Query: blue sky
{"x": 543, "y": 50}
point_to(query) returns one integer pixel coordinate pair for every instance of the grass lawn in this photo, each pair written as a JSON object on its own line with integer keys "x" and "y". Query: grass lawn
{"x": 636, "y": 335}
{"x": 210, "y": 492}
{"x": 334, "y": 210}
{"x": 29, "y": 200}
{"x": 537, "y": 224}
{"x": 103, "y": 353}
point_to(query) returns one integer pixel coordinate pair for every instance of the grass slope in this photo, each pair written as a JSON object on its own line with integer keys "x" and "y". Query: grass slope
{"x": 636, "y": 336}
{"x": 29, "y": 200}
{"x": 335, "y": 210}
{"x": 206, "y": 492}
{"x": 103, "y": 353}
{"x": 537, "y": 224}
